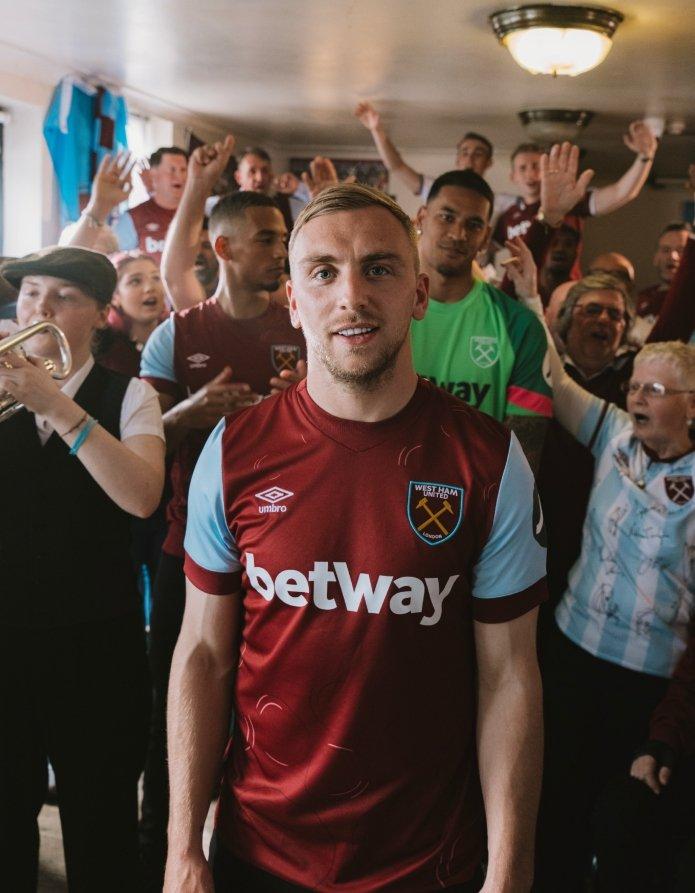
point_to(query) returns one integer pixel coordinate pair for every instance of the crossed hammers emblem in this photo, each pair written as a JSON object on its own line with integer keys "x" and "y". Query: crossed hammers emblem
{"x": 434, "y": 516}
{"x": 285, "y": 361}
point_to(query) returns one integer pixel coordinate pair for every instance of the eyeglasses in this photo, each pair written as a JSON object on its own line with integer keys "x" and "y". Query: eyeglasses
{"x": 650, "y": 388}
{"x": 595, "y": 310}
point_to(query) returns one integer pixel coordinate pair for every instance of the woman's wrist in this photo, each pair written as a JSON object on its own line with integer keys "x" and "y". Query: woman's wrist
{"x": 64, "y": 414}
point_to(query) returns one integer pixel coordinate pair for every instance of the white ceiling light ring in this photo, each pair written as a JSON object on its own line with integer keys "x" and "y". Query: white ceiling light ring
{"x": 556, "y": 40}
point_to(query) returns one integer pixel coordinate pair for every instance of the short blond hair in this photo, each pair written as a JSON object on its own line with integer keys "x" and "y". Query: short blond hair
{"x": 675, "y": 353}
{"x": 354, "y": 197}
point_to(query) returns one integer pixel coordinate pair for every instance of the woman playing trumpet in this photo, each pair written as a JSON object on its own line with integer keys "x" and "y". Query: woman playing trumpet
{"x": 84, "y": 456}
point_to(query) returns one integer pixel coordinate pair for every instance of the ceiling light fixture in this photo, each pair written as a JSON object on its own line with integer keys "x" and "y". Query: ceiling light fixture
{"x": 559, "y": 40}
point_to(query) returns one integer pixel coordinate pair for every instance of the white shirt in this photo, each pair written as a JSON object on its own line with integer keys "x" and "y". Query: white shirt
{"x": 140, "y": 412}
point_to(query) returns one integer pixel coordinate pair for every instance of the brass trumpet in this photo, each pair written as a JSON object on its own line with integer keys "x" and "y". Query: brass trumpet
{"x": 8, "y": 404}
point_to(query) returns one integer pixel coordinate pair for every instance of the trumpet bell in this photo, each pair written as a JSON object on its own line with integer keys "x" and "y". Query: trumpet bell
{"x": 9, "y": 405}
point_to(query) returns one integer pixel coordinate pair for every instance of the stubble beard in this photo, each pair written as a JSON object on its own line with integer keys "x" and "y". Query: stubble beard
{"x": 371, "y": 374}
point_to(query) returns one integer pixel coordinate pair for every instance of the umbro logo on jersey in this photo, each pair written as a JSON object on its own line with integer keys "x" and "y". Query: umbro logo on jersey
{"x": 679, "y": 488}
{"x": 434, "y": 511}
{"x": 404, "y": 595}
{"x": 274, "y": 496}
{"x": 198, "y": 360}
{"x": 484, "y": 350}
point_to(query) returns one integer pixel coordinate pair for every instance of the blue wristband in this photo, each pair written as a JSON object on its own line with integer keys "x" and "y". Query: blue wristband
{"x": 83, "y": 435}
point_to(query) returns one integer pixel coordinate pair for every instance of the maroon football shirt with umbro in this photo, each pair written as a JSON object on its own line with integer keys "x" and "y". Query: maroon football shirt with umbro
{"x": 362, "y": 553}
{"x": 193, "y": 346}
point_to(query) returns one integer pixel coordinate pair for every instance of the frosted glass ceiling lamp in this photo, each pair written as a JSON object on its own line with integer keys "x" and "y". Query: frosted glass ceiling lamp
{"x": 559, "y": 40}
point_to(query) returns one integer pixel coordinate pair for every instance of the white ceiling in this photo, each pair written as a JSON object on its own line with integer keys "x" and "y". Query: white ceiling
{"x": 290, "y": 71}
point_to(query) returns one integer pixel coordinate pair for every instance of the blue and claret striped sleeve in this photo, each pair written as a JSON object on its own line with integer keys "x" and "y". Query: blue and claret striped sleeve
{"x": 509, "y": 577}
{"x": 212, "y": 559}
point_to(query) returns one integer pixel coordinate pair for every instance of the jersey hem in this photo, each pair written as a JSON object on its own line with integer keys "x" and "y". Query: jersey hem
{"x": 625, "y": 665}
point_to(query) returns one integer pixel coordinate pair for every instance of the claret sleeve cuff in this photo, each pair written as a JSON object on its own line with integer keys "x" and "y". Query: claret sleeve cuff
{"x": 509, "y": 607}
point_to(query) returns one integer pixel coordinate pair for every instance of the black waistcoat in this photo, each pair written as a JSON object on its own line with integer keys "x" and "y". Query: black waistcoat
{"x": 64, "y": 544}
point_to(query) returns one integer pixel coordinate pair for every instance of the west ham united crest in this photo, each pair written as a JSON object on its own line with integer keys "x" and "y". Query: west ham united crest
{"x": 284, "y": 356}
{"x": 434, "y": 511}
{"x": 679, "y": 488}
{"x": 484, "y": 350}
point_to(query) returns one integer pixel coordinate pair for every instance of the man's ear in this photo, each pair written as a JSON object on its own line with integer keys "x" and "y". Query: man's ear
{"x": 237, "y": 178}
{"x": 103, "y": 316}
{"x": 420, "y": 216}
{"x": 221, "y": 246}
{"x": 422, "y": 290}
{"x": 292, "y": 305}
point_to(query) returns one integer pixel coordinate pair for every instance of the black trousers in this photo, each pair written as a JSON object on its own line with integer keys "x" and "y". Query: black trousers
{"x": 596, "y": 715}
{"x": 231, "y": 875}
{"x": 78, "y": 696}
{"x": 645, "y": 843}
{"x": 169, "y": 597}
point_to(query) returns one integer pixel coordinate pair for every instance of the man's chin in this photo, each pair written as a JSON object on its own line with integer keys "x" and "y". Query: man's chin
{"x": 451, "y": 272}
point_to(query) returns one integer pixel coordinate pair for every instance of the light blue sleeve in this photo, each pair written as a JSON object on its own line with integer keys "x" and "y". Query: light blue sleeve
{"x": 125, "y": 231}
{"x": 158, "y": 354}
{"x": 208, "y": 540}
{"x": 600, "y": 424}
{"x": 513, "y": 559}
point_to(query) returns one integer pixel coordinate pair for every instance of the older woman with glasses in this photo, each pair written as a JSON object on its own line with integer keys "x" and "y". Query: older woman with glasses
{"x": 622, "y": 623}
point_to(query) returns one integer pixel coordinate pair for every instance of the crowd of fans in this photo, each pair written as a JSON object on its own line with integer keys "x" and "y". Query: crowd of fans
{"x": 188, "y": 322}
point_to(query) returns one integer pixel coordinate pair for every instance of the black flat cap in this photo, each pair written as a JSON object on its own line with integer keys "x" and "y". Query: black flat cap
{"x": 93, "y": 272}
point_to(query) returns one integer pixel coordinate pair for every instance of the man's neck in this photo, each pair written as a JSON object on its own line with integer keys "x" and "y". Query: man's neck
{"x": 374, "y": 404}
{"x": 238, "y": 301}
{"x": 588, "y": 368}
{"x": 448, "y": 289}
{"x": 170, "y": 205}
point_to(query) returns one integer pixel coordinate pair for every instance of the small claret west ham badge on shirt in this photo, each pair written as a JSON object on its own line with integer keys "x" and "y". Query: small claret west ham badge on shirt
{"x": 284, "y": 356}
{"x": 679, "y": 488}
{"x": 435, "y": 511}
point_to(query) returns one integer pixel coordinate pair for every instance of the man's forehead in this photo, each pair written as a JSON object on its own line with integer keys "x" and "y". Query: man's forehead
{"x": 602, "y": 295}
{"x": 461, "y": 199}
{"x": 527, "y": 158}
{"x": 357, "y": 232}
{"x": 264, "y": 217}
{"x": 473, "y": 145}
{"x": 674, "y": 237}
{"x": 254, "y": 161}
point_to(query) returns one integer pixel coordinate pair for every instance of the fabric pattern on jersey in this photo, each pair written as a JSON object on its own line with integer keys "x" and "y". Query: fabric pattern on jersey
{"x": 193, "y": 346}
{"x": 353, "y": 626}
{"x": 486, "y": 349}
{"x": 631, "y": 594}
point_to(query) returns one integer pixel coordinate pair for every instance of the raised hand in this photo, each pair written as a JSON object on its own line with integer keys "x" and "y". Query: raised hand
{"x": 145, "y": 174}
{"x": 321, "y": 175}
{"x": 286, "y": 183}
{"x": 112, "y": 184}
{"x": 640, "y": 139}
{"x": 521, "y": 269}
{"x": 208, "y": 163}
{"x": 561, "y": 189}
{"x": 367, "y": 115}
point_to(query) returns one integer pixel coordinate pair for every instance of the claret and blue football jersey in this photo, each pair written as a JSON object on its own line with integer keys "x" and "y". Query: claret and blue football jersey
{"x": 362, "y": 553}
{"x": 631, "y": 594}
